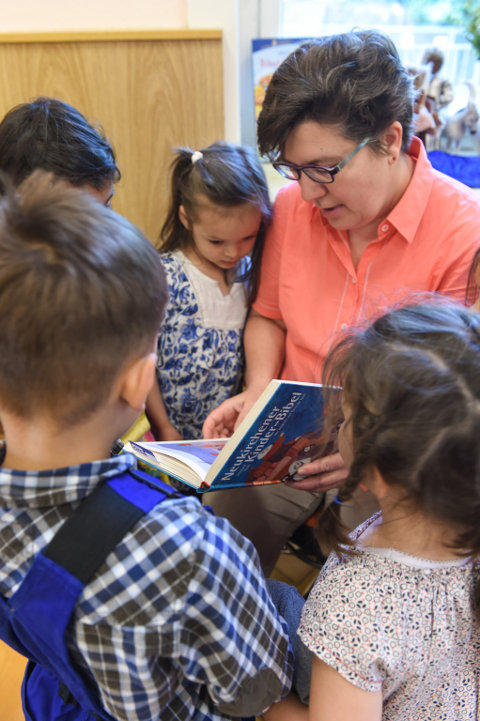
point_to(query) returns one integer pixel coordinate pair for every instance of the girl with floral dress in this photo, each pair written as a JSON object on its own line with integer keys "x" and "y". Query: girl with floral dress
{"x": 393, "y": 621}
{"x": 211, "y": 245}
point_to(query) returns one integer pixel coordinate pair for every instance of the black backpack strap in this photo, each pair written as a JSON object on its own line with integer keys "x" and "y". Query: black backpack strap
{"x": 94, "y": 529}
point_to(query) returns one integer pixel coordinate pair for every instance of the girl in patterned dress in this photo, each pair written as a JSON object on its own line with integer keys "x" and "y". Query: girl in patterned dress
{"x": 393, "y": 621}
{"x": 211, "y": 245}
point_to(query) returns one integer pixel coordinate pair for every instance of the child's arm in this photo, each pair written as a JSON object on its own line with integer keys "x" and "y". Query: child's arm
{"x": 157, "y": 415}
{"x": 289, "y": 604}
{"x": 290, "y": 709}
{"x": 332, "y": 698}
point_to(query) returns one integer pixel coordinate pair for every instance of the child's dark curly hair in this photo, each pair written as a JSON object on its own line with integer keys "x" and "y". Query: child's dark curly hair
{"x": 412, "y": 383}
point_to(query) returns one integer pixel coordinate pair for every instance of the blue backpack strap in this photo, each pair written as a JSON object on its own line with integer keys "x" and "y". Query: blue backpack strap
{"x": 102, "y": 520}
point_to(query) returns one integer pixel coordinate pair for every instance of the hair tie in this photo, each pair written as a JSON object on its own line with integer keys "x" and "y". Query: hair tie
{"x": 197, "y": 155}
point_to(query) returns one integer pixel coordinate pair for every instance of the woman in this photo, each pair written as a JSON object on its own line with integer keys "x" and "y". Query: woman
{"x": 365, "y": 223}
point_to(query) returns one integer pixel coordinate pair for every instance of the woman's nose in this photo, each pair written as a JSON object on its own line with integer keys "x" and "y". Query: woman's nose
{"x": 311, "y": 190}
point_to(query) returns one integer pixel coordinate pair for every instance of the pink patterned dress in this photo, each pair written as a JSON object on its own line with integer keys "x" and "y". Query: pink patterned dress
{"x": 404, "y": 625}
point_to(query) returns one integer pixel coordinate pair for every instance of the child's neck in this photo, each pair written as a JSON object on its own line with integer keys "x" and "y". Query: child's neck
{"x": 410, "y": 531}
{"x": 207, "y": 268}
{"x": 44, "y": 445}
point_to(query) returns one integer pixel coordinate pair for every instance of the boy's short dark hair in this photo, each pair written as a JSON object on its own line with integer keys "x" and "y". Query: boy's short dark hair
{"x": 51, "y": 135}
{"x": 82, "y": 292}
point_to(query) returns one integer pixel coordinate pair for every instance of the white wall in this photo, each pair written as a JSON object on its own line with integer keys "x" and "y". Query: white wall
{"x": 239, "y": 20}
{"x": 64, "y": 15}
{"x": 257, "y": 19}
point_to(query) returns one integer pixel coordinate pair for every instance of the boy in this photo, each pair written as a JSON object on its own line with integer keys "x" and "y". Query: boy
{"x": 176, "y": 622}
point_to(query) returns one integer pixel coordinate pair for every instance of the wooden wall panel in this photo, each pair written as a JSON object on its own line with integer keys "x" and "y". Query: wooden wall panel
{"x": 149, "y": 91}
{"x": 12, "y": 668}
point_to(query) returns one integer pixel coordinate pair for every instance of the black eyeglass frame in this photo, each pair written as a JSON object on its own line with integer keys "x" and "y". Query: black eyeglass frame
{"x": 296, "y": 170}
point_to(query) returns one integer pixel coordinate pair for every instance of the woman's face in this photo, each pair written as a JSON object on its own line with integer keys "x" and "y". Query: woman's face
{"x": 362, "y": 193}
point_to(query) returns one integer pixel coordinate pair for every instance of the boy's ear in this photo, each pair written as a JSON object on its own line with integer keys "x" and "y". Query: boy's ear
{"x": 137, "y": 381}
{"x": 183, "y": 217}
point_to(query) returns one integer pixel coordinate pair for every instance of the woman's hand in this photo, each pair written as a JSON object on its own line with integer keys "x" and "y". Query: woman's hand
{"x": 224, "y": 419}
{"x": 220, "y": 423}
{"x": 321, "y": 475}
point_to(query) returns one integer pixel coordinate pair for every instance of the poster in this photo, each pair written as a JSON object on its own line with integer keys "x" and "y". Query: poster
{"x": 267, "y": 54}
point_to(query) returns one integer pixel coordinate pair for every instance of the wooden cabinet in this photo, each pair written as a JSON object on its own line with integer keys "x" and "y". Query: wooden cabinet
{"x": 150, "y": 91}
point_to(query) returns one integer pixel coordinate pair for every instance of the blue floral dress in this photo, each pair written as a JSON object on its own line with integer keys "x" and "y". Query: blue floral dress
{"x": 200, "y": 352}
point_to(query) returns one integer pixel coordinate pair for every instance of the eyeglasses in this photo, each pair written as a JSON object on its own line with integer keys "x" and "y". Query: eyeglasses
{"x": 318, "y": 173}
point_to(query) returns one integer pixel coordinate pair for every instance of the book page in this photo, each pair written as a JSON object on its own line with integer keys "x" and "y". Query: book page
{"x": 179, "y": 456}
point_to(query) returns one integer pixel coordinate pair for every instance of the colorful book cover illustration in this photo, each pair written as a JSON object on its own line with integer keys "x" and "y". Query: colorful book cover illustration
{"x": 267, "y": 54}
{"x": 282, "y": 431}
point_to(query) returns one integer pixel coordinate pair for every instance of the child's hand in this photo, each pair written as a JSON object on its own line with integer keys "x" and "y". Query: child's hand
{"x": 156, "y": 412}
{"x": 321, "y": 474}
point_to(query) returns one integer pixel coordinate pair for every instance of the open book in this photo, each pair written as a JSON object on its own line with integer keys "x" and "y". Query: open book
{"x": 282, "y": 431}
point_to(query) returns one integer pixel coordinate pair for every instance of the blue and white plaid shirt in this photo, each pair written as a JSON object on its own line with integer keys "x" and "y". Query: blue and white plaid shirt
{"x": 177, "y": 623}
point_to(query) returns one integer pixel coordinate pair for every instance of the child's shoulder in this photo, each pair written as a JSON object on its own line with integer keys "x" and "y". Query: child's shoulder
{"x": 172, "y": 259}
{"x": 180, "y": 510}
{"x": 182, "y": 532}
{"x": 193, "y": 521}
{"x": 178, "y": 523}
{"x": 175, "y": 265}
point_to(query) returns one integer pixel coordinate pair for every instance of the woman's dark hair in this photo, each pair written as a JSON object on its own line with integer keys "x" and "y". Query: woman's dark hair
{"x": 473, "y": 291}
{"x": 227, "y": 175}
{"x": 354, "y": 81}
{"x": 412, "y": 384}
{"x": 50, "y": 135}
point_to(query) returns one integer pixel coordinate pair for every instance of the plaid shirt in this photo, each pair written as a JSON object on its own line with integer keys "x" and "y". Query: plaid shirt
{"x": 177, "y": 623}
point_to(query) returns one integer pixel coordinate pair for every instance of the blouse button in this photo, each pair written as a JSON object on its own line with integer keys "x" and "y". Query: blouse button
{"x": 354, "y": 280}
{"x": 344, "y": 326}
{"x": 385, "y": 227}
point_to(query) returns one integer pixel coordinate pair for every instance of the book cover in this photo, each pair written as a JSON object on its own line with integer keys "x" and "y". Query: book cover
{"x": 282, "y": 431}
